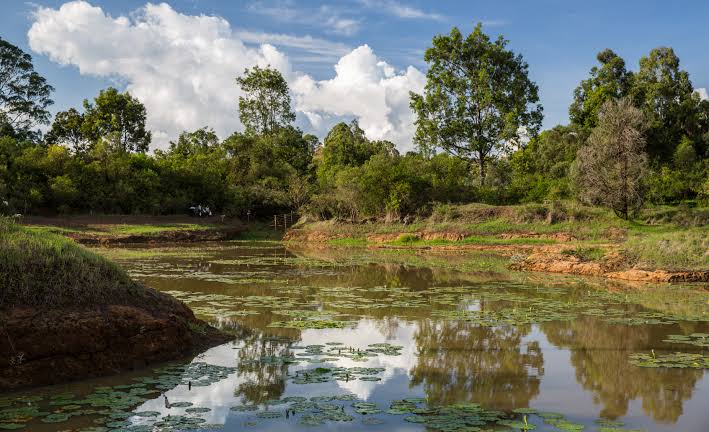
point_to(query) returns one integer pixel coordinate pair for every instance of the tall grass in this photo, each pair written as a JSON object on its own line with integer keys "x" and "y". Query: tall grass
{"x": 670, "y": 249}
{"x": 44, "y": 269}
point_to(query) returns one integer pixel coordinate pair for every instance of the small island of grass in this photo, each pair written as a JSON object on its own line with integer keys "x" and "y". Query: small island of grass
{"x": 67, "y": 313}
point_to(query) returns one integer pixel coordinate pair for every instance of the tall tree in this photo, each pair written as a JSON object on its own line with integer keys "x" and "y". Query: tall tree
{"x": 611, "y": 166}
{"x": 478, "y": 98}
{"x": 119, "y": 116}
{"x": 24, "y": 94}
{"x": 610, "y": 80}
{"x": 67, "y": 129}
{"x": 666, "y": 95}
{"x": 266, "y": 104}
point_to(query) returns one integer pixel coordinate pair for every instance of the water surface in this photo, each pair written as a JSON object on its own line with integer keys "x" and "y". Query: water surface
{"x": 322, "y": 330}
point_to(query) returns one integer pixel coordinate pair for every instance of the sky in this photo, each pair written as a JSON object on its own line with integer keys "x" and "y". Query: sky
{"x": 342, "y": 59}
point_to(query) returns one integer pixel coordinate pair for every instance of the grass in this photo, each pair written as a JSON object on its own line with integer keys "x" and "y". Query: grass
{"x": 412, "y": 240}
{"x": 670, "y": 248}
{"x": 664, "y": 237}
{"x": 585, "y": 254}
{"x": 123, "y": 229}
{"x": 44, "y": 269}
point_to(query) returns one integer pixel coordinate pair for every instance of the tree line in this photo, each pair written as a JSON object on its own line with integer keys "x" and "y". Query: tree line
{"x": 634, "y": 137}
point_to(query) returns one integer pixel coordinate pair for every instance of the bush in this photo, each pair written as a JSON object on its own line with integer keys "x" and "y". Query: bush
{"x": 443, "y": 212}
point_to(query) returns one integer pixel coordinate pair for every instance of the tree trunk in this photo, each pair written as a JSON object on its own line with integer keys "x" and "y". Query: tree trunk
{"x": 481, "y": 164}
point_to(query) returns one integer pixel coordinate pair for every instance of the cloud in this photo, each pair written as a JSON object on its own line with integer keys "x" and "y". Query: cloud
{"x": 324, "y": 49}
{"x": 325, "y": 16}
{"x": 401, "y": 10}
{"x": 367, "y": 88}
{"x": 702, "y": 92}
{"x": 182, "y": 67}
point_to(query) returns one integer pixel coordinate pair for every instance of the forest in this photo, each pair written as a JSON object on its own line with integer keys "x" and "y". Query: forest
{"x": 636, "y": 136}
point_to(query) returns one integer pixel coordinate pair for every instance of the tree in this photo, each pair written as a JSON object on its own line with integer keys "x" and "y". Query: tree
{"x": 119, "y": 115}
{"x": 609, "y": 81}
{"x": 266, "y": 105}
{"x": 189, "y": 143}
{"x": 67, "y": 129}
{"x": 666, "y": 95}
{"x": 478, "y": 98}
{"x": 347, "y": 146}
{"x": 611, "y": 166}
{"x": 541, "y": 168}
{"x": 24, "y": 94}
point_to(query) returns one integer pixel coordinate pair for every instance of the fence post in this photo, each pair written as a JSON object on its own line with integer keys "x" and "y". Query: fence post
{"x": 275, "y": 223}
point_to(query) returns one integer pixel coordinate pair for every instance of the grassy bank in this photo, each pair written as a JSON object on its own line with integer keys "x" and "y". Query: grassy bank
{"x": 47, "y": 270}
{"x": 666, "y": 238}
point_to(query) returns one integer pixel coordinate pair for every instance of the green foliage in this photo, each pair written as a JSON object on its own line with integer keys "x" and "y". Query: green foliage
{"x": 541, "y": 168}
{"x": 67, "y": 129}
{"x": 265, "y": 106}
{"x": 24, "y": 94}
{"x": 609, "y": 81}
{"x": 118, "y": 118}
{"x": 666, "y": 95}
{"x": 346, "y": 146}
{"x": 478, "y": 98}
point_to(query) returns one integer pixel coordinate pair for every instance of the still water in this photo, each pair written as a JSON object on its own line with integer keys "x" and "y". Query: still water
{"x": 350, "y": 339}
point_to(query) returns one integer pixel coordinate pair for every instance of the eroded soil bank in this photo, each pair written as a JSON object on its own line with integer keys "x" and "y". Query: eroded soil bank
{"x": 119, "y": 229}
{"x": 554, "y": 252}
{"x": 44, "y": 345}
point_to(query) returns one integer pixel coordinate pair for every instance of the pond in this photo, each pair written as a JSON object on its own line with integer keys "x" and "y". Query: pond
{"x": 355, "y": 340}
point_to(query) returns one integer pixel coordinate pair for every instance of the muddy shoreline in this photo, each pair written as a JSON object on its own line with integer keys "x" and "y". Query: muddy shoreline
{"x": 524, "y": 257}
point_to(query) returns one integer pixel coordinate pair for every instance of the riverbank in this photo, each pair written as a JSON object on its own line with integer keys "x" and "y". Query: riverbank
{"x": 67, "y": 313}
{"x": 119, "y": 229}
{"x": 667, "y": 244}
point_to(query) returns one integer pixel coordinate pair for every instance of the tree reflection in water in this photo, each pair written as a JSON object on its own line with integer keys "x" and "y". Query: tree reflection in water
{"x": 599, "y": 353}
{"x": 460, "y": 361}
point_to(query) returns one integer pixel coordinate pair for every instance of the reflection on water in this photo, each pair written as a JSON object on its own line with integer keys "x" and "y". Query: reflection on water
{"x": 550, "y": 345}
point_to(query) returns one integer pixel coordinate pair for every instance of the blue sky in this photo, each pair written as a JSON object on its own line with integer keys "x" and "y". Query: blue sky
{"x": 559, "y": 40}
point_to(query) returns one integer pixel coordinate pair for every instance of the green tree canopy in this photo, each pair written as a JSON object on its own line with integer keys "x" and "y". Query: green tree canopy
{"x": 266, "y": 105}
{"x": 189, "y": 143}
{"x": 665, "y": 94}
{"x": 478, "y": 97}
{"x": 24, "y": 94}
{"x": 68, "y": 129}
{"x": 610, "y": 80}
{"x": 118, "y": 116}
{"x": 347, "y": 146}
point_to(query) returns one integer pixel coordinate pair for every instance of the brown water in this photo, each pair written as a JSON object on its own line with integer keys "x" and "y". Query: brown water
{"x": 465, "y": 330}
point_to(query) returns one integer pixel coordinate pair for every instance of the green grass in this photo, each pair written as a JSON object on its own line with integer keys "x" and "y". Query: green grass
{"x": 585, "y": 253}
{"x": 412, "y": 240}
{"x": 124, "y": 229}
{"x": 664, "y": 237}
{"x": 45, "y": 269}
{"x": 348, "y": 242}
{"x": 669, "y": 248}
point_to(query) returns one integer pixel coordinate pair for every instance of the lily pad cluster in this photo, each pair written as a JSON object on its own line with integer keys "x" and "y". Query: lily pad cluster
{"x": 110, "y": 408}
{"x": 696, "y": 339}
{"x": 673, "y": 360}
{"x": 327, "y": 374}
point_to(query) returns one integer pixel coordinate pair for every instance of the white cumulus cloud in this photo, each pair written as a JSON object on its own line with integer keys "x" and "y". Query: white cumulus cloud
{"x": 367, "y": 88}
{"x": 702, "y": 92}
{"x": 182, "y": 67}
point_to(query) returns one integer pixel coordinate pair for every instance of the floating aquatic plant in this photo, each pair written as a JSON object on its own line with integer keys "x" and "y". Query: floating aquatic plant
{"x": 673, "y": 360}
